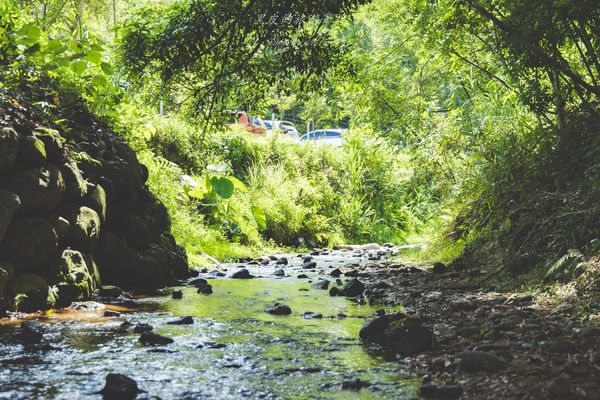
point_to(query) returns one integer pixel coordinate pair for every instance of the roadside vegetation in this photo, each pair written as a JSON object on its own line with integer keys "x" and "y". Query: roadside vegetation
{"x": 473, "y": 128}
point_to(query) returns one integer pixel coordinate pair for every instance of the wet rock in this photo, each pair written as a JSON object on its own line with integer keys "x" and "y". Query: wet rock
{"x": 198, "y": 282}
{"x": 354, "y": 287}
{"x": 374, "y": 329}
{"x": 335, "y": 273}
{"x": 30, "y": 243}
{"x": 150, "y": 338}
{"x": 273, "y": 257}
{"x": 475, "y": 361}
{"x": 139, "y": 328}
{"x": 112, "y": 313}
{"x": 354, "y": 384}
{"x": 110, "y": 291}
{"x": 282, "y": 261}
{"x": 32, "y": 331}
{"x": 302, "y": 276}
{"x": 322, "y": 284}
{"x": 216, "y": 272}
{"x": 279, "y": 309}
{"x": 206, "y": 289}
{"x": 182, "y": 321}
{"x": 119, "y": 387}
{"x": 312, "y": 315}
{"x": 442, "y": 392}
{"x": 177, "y": 294}
{"x": 241, "y": 274}
{"x": 9, "y": 148}
{"x": 309, "y": 265}
{"x": 76, "y": 279}
{"x": 351, "y": 273}
{"x": 264, "y": 260}
{"x": 279, "y": 272}
{"x": 307, "y": 259}
{"x": 33, "y": 292}
{"x": 335, "y": 291}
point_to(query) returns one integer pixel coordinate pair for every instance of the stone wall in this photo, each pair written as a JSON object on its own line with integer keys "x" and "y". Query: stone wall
{"x": 75, "y": 213}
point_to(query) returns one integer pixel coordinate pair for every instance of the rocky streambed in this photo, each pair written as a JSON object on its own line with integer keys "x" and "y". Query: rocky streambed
{"x": 332, "y": 324}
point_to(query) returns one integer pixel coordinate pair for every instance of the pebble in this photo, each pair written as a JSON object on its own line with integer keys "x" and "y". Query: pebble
{"x": 119, "y": 387}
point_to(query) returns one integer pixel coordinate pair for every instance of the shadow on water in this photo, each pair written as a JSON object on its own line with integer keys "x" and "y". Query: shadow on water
{"x": 233, "y": 350}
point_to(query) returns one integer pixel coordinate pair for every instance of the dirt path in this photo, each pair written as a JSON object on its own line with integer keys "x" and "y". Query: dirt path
{"x": 489, "y": 344}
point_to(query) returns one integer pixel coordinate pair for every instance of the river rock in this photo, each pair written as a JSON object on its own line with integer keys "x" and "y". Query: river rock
{"x": 475, "y": 361}
{"x": 354, "y": 384}
{"x": 312, "y": 315}
{"x": 282, "y": 261}
{"x": 279, "y": 309}
{"x": 32, "y": 293}
{"x": 60, "y": 224}
{"x": 9, "y": 204}
{"x": 119, "y": 387}
{"x": 205, "y": 289}
{"x": 439, "y": 268}
{"x": 110, "y": 291}
{"x": 279, "y": 272}
{"x": 30, "y": 243}
{"x": 182, "y": 321}
{"x": 149, "y": 338}
{"x": 322, "y": 284}
{"x": 352, "y": 288}
{"x": 32, "y": 331}
{"x": 39, "y": 189}
{"x": 309, "y": 265}
{"x": 9, "y": 148}
{"x": 76, "y": 280}
{"x": 241, "y": 274}
{"x": 177, "y": 294}
{"x": 335, "y": 291}
{"x": 335, "y": 273}
{"x": 141, "y": 328}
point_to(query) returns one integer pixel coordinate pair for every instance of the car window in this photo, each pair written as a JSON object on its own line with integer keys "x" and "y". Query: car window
{"x": 268, "y": 125}
{"x": 333, "y": 134}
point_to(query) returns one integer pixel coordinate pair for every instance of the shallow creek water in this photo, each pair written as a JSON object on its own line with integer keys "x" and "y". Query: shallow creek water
{"x": 233, "y": 350}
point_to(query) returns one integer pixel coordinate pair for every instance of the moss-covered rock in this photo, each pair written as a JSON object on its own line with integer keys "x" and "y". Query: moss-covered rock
{"x": 9, "y": 204}
{"x": 96, "y": 200}
{"x": 31, "y": 244}
{"x": 32, "y": 151}
{"x": 84, "y": 230}
{"x": 39, "y": 189}
{"x": 75, "y": 186}
{"x": 9, "y": 148}
{"x": 31, "y": 292}
{"x": 91, "y": 167}
{"x": 54, "y": 143}
{"x": 60, "y": 224}
{"x": 76, "y": 279}
{"x": 114, "y": 258}
{"x": 136, "y": 231}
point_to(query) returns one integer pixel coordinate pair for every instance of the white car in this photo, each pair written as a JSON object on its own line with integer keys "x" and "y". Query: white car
{"x": 286, "y": 129}
{"x": 322, "y": 137}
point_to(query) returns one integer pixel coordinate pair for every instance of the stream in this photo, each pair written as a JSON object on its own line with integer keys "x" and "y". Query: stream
{"x": 233, "y": 350}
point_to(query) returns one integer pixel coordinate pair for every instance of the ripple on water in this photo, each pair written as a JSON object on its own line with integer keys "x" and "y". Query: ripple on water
{"x": 233, "y": 350}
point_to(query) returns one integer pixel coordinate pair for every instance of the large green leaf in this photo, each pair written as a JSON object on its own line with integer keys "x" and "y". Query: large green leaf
{"x": 29, "y": 33}
{"x": 94, "y": 57}
{"x": 107, "y": 68}
{"x": 239, "y": 185}
{"x": 55, "y": 46}
{"x": 222, "y": 186}
{"x": 259, "y": 217}
{"x": 79, "y": 67}
{"x": 99, "y": 82}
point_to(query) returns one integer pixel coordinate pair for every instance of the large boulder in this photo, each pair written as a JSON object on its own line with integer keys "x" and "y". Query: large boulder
{"x": 136, "y": 231}
{"x": 30, "y": 243}
{"x": 76, "y": 280}
{"x": 96, "y": 200}
{"x": 115, "y": 258}
{"x": 9, "y": 204}
{"x": 54, "y": 143}
{"x": 40, "y": 189}
{"x": 84, "y": 230}
{"x": 75, "y": 186}
{"x": 31, "y": 292}
{"x": 407, "y": 339}
{"x": 91, "y": 167}
{"x": 32, "y": 151}
{"x": 3, "y": 282}
{"x": 9, "y": 148}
